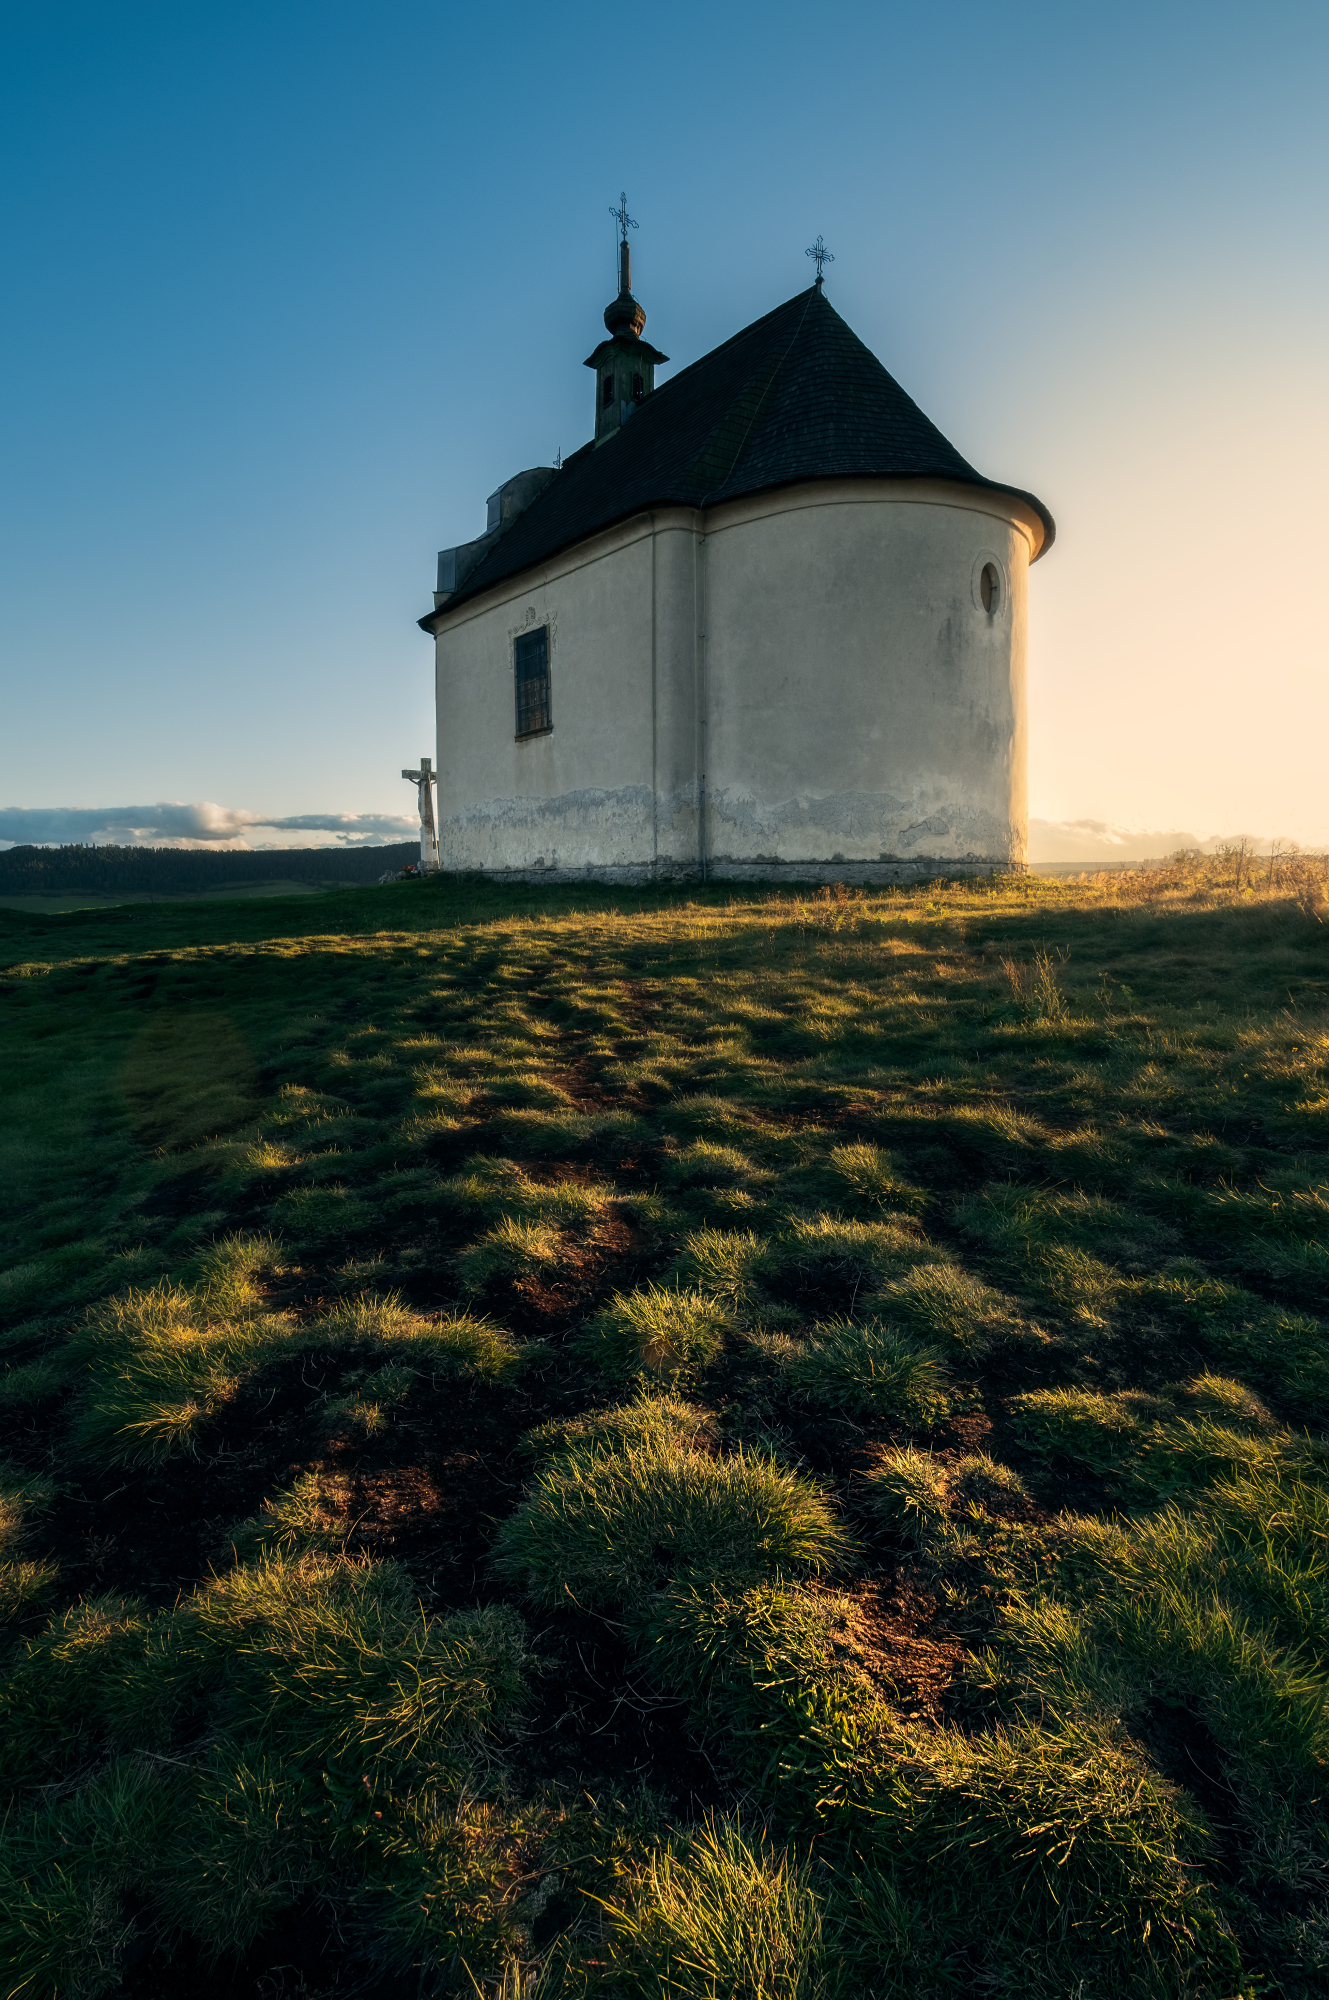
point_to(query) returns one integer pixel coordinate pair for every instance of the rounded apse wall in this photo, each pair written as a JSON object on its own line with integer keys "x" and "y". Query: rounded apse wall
{"x": 865, "y": 657}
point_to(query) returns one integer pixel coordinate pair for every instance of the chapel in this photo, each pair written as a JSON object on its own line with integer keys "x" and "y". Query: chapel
{"x": 766, "y": 624}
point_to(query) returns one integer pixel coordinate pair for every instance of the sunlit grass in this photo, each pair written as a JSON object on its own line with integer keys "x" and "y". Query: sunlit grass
{"x": 606, "y": 1528}
{"x": 662, "y": 1331}
{"x": 979, "y": 1232}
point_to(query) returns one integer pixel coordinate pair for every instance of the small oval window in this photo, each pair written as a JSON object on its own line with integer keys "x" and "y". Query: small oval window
{"x": 989, "y": 587}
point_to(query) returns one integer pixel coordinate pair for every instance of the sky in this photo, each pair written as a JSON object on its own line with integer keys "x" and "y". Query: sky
{"x": 293, "y": 287}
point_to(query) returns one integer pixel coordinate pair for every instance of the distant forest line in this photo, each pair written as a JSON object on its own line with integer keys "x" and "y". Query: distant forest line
{"x": 174, "y": 871}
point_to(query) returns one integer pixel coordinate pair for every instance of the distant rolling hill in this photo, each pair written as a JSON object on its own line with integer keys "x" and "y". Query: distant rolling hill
{"x": 184, "y": 871}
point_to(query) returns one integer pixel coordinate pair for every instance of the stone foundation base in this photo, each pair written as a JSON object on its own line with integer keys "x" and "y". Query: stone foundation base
{"x": 854, "y": 874}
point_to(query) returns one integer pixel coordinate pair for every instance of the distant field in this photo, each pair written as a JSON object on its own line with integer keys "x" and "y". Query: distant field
{"x": 45, "y": 906}
{"x": 82, "y": 877}
{"x": 642, "y": 1444}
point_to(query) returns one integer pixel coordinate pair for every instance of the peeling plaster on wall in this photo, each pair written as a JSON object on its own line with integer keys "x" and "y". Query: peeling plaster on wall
{"x": 858, "y": 826}
{"x": 593, "y": 827}
{"x": 815, "y": 840}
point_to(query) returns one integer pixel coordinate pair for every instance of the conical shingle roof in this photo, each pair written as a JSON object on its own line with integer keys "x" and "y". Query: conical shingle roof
{"x": 794, "y": 396}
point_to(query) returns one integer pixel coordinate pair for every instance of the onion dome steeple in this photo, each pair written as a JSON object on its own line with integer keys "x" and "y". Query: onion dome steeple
{"x": 624, "y": 364}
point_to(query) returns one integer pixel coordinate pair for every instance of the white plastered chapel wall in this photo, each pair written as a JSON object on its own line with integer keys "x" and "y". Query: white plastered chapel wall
{"x": 805, "y": 681}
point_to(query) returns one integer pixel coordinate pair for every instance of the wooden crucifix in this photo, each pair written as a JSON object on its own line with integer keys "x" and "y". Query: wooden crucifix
{"x": 423, "y": 779}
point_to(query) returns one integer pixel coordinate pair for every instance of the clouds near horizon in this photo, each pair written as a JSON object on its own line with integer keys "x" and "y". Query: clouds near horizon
{"x": 206, "y": 824}
{"x": 171, "y": 823}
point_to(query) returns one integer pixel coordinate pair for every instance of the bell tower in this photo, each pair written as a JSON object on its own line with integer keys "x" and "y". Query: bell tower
{"x": 625, "y": 363}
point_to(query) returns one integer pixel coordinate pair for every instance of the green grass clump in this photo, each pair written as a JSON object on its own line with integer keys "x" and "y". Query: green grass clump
{"x": 1063, "y": 1247}
{"x": 650, "y": 1419}
{"x": 502, "y": 1189}
{"x": 1096, "y": 1430}
{"x": 66, "y": 1866}
{"x": 719, "y": 1915}
{"x": 1284, "y": 1352}
{"x": 330, "y": 1657}
{"x": 1210, "y": 1609}
{"x": 870, "y": 1368}
{"x": 454, "y": 1347}
{"x": 609, "y": 1528}
{"x": 311, "y": 1514}
{"x": 510, "y": 1251}
{"x": 949, "y": 1306}
{"x": 910, "y": 1492}
{"x": 657, "y": 1330}
{"x": 831, "y": 1251}
{"x": 160, "y": 1362}
{"x": 978, "y": 1481}
{"x": 28, "y": 1385}
{"x": 329, "y": 1706}
{"x": 313, "y": 1216}
{"x": 873, "y": 1181}
{"x": 22, "y": 1583}
{"x": 936, "y": 1506}
{"x": 1190, "y": 1436}
{"x": 704, "y": 1164}
{"x": 772, "y": 1676}
{"x": 1061, "y": 1840}
{"x": 723, "y": 1262}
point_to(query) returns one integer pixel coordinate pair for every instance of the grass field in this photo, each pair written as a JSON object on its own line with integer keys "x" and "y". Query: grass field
{"x": 636, "y": 1444}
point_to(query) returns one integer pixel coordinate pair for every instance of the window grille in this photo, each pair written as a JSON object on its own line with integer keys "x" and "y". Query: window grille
{"x": 530, "y": 655}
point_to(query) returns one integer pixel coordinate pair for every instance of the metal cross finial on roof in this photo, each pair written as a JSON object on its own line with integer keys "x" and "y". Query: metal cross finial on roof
{"x": 822, "y": 255}
{"x": 622, "y": 218}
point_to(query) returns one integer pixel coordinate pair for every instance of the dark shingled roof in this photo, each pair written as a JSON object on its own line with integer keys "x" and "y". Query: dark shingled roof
{"x": 795, "y": 396}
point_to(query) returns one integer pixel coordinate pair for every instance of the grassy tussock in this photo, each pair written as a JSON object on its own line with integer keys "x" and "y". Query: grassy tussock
{"x": 311, "y": 1515}
{"x": 723, "y": 1914}
{"x": 331, "y": 1708}
{"x": 772, "y": 1673}
{"x": 935, "y": 1506}
{"x": 661, "y": 1331}
{"x": 1165, "y": 1441}
{"x": 651, "y": 1419}
{"x": 1065, "y": 1834}
{"x": 872, "y": 1178}
{"x": 608, "y": 1528}
{"x": 828, "y": 1249}
{"x": 509, "y": 1252}
{"x": 949, "y": 1306}
{"x": 723, "y": 1262}
{"x": 160, "y": 1362}
{"x": 499, "y": 1188}
{"x": 870, "y": 1368}
{"x": 465, "y": 1347}
{"x": 22, "y": 1500}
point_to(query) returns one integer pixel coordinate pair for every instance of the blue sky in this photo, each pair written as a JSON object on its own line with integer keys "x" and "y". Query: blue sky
{"x": 294, "y": 287}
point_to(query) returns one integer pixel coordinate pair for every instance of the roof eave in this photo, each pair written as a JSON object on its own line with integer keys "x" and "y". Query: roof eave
{"x": 429, "y": 623}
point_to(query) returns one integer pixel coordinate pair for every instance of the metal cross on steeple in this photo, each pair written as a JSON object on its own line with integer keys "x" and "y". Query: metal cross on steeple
{"x": 622, "y": 218}
{"x": 822, "y": 255}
